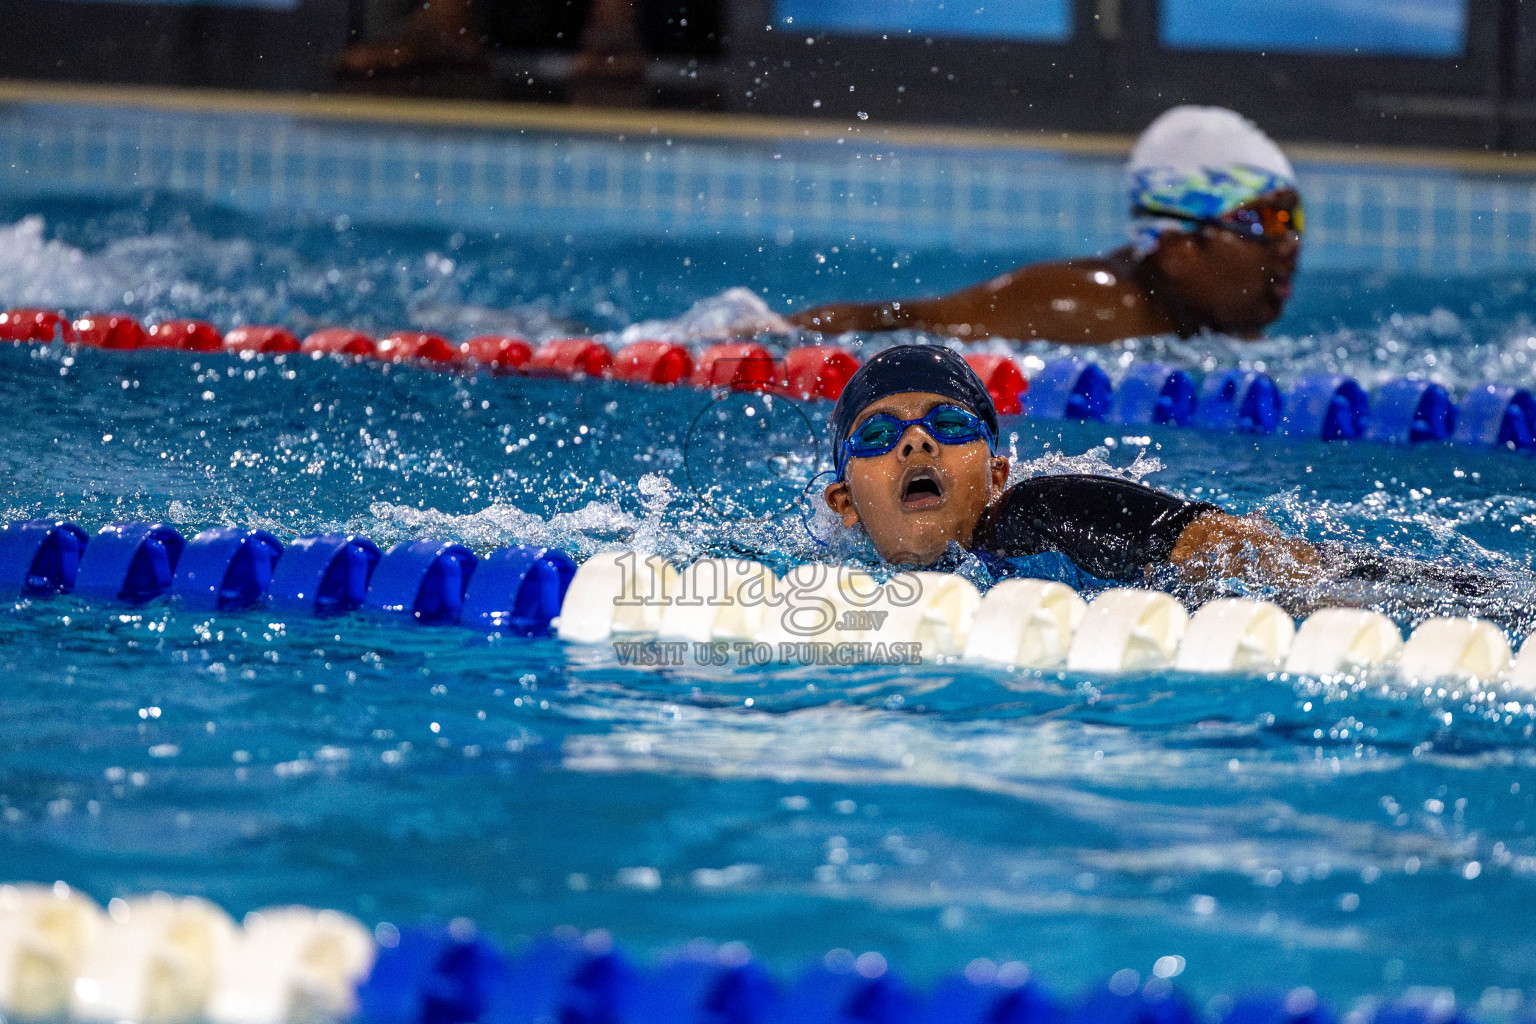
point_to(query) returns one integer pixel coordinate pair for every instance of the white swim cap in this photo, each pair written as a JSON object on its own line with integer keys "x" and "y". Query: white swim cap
{"x": 1196, "y": 164}
{"x": 1191, "y": 139}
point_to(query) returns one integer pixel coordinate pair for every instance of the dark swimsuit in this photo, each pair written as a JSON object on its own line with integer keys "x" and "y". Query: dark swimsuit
{"x": 1108, "y": 530}
{"x": 1091, "y": 532}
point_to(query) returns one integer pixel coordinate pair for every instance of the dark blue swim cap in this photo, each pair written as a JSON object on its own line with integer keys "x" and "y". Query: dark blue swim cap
{"x": 911, "y": 368}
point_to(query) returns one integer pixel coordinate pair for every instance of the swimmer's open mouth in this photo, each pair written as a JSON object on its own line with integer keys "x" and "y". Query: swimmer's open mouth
{"x": 922, "y": 488}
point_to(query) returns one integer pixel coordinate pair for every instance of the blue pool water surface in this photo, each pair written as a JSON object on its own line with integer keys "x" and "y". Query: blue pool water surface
{"x": 1361, "y": 837}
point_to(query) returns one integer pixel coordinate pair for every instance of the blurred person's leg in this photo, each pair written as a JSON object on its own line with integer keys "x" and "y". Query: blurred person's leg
{"x": 679, "y": 28}
{"x": 613, "y": 38}
{"x": 621, "y": 36}
{"x": 610, "y": 44}
{"x": 440, "y": 33}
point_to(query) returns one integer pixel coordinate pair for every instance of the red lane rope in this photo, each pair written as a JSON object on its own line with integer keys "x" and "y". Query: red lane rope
{"x": 186, "y": 335}
{"x": 653, "y": 362}
{"x": 807, "y": 372}
{"x": 261, "y": 339}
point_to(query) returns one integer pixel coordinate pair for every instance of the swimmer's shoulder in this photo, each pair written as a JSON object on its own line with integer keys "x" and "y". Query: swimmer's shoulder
{"x": 1035, "y": 491}
{"x": 1044, "y": 503}
{"x": 1112, "y": 528}
{"x": 1035, "y": 505}
{"x": 1111, "y": 274}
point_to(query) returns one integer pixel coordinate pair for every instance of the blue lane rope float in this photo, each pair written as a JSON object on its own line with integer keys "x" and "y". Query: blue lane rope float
{"x": 1409, "y": 410}
{"x": 433, "y": 977}
{"x": 436, "y": 976}
{"x": 325, "y": 573}
{"x": 518, "y": 590}
{"x": 1070, "y": 388}
{"x": 1498, "y": 415}
{"x": 226, "y": 569}
{"x": 515, "y": 590}
{"x": 825, "y": 995}
{"x": 43, "y": 556}
{"x": 423, "y": 579}
{"x": 1154, "y": 393}
{"x": 1300, "y": 1007}
{"x": 1239, "y": 401}
{"x": 132, "y": 562}
{"x": 1330, "y": 407}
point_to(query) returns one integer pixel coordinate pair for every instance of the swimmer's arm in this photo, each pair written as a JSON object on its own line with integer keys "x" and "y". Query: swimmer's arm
{"x": 963, "y": 315}
{"x": 1217, "y": 546}
{"x": 841, "y": 317}
{"x": 1086, "y": 301}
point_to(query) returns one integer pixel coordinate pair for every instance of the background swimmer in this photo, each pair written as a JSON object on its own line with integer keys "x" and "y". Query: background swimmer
{"x": 1216, "y": 225}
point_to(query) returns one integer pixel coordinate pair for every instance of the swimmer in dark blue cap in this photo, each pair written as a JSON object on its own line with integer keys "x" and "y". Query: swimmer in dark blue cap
{"x": 918, "y": 469}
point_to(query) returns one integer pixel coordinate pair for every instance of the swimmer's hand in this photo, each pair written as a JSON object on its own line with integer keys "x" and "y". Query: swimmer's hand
{"x": 1217, "y": 546}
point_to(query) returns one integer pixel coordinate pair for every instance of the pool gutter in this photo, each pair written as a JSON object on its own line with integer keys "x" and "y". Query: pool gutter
{"x": 496, "y": 116}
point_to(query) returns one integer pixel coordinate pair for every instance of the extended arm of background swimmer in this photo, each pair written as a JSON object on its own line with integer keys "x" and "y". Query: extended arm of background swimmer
{"x": 992, "y": 307}
{"x": 860, "y": 316}
{"x": 1091, "y": 301}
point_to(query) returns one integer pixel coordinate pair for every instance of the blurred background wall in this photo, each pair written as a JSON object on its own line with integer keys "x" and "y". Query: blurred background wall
{"x": 1411, "y": 72}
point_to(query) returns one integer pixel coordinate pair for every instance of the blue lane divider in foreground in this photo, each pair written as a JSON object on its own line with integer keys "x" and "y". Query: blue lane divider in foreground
{"x": 42, "y": 556}
{"x": 516, "y": 590}
{"x": 131, "y": 562}
{"x": 456, "y": 976}
{"x": 423, "y": 579}
{"x": 226, "y": 569}
{"x": 325, "y": 573}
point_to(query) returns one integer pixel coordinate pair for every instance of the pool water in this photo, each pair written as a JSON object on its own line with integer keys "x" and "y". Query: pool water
{"x": 1360, "y": 837}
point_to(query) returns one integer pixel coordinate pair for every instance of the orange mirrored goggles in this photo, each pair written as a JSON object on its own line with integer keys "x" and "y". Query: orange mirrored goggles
{"x": 1267, "y": 221}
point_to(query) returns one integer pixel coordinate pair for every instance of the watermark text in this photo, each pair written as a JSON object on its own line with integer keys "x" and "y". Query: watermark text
{"x": 720, "y": 653}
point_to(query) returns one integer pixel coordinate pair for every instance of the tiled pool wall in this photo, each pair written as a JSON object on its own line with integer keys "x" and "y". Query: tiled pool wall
{"x": 1413, "y": 219}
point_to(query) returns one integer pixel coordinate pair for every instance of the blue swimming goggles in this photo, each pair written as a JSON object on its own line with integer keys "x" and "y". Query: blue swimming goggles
{"x": 947, "y": 424}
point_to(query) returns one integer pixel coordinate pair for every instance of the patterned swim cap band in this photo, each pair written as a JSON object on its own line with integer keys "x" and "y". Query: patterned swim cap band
{"x": 1165, "y": 199}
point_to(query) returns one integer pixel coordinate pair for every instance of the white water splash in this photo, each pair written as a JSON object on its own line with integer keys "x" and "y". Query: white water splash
{"x": 37, "y": 271}
{"x": 1093, "y": 462}
{"x": 592, "y": 527}
{"x": 533, "y": 322}
{"x": 734, "y": 313}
